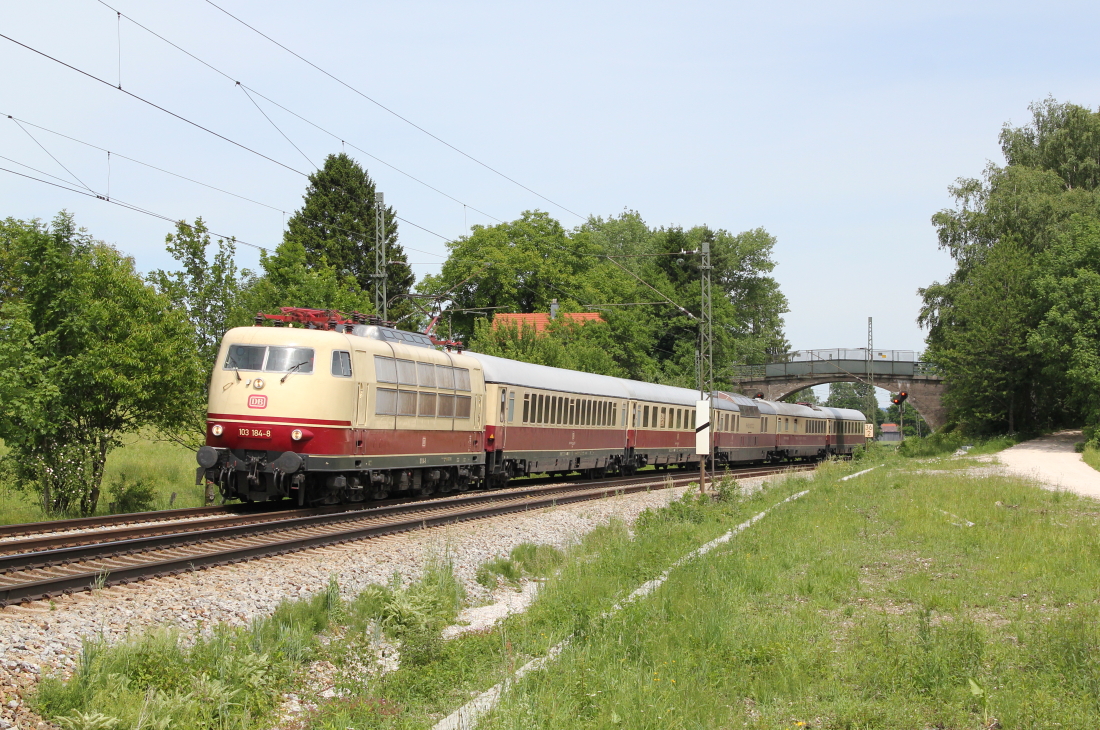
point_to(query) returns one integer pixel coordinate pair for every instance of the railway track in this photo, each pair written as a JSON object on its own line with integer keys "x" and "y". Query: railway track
{"x": 49, "y": 565}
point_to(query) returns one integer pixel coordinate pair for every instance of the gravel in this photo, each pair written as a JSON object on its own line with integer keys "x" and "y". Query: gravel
{"x": 46, "y": 637}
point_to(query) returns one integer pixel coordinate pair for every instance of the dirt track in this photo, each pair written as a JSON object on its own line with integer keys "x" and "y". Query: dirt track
{"x": 1052, "y": 461}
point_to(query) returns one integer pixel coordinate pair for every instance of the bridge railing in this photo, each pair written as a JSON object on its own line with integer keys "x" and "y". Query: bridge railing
{"x": 854, "y": 368}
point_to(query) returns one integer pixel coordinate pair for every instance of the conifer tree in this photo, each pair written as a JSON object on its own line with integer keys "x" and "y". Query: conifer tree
{"x": 336, "y": 227}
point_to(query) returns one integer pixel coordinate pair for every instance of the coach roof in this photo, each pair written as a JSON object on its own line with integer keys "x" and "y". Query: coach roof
{"x": 527, "y": 375}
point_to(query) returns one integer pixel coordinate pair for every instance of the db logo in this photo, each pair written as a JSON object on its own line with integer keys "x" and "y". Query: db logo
{"x": 257, "y": 401}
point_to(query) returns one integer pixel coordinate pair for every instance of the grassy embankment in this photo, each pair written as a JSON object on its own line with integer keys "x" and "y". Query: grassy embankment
{"x": 166, "y": 467}
{"x": 913, "y": 596}
{"x": 1091, "y": 455}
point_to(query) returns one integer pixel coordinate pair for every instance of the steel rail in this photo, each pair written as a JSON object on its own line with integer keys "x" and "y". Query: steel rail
{"x": 371, "y": 523}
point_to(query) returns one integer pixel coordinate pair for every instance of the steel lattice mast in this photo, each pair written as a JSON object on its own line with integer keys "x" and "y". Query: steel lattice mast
{"x": 380, "y": 295}
{"x": 706, "y": 355}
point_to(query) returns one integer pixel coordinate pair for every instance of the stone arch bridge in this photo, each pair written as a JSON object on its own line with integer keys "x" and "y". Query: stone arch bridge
{"x": 895, "y": 370}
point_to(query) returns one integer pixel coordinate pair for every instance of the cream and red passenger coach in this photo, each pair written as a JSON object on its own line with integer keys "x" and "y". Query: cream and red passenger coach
{"x": 359, "y": 411}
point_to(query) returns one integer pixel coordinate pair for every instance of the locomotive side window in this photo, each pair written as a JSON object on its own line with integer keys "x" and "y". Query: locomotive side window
{"x": 444, "y": 377}
{"x": 425, "y": 372}
{"x": 462, "y": 406}
{"x": 446, "y": 406}
{"x": 386, "y": 402}
{"x": 385, "y": 369}
{"x": 427, "y": 405}
{"x": 406, "y": 403}
{"x": 245, "y": 357}
{"x": 341, "y": 364}
{"x": 462, "y": 379}
{"x": 406, "y": 372}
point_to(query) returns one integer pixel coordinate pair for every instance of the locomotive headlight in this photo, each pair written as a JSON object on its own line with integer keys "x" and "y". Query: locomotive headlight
{"x": 217, "y": 429}
{"x": 258, "y": 383}
{"x": 296, "y": 434}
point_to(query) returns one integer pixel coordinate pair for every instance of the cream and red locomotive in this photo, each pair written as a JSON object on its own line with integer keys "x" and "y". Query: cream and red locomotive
{"x": 343, "y": 411}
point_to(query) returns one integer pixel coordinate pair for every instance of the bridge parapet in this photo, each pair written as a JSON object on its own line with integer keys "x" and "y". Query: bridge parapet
{"x": 894, "y": 370}
{"x": 839, "y": 361}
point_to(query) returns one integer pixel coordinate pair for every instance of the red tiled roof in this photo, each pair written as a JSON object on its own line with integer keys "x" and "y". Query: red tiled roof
{"x": 540, "y": 320}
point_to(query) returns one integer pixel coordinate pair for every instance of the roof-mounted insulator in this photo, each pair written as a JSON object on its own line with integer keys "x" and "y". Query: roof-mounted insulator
{"x": 280, "y": 323}
{"x": 258, "y": 319}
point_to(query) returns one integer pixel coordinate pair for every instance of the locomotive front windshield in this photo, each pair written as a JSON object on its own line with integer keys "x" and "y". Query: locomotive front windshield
{"x": 269, "y": 359}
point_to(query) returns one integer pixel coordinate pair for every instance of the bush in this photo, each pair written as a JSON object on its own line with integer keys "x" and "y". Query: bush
{"x": 131, "y": 495}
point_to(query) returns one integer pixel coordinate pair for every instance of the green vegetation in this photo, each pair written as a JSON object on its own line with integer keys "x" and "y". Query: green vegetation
{"x": 235, "y": 677}
{"x": 526, "y": 559}
{"x": 912, "y": 596}
{"x": 166, "y": 467}
{"x": 871, "y": 603}
{"x": 1015, "y": 328}
{"x": 1091, "y": 455}
{"x": 88, "y": 354}
{"x": 521, "y": 265}
{"x": 944, "y": 443}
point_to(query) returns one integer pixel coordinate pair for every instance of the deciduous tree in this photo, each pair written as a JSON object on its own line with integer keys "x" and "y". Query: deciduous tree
{"x": 88, "y": 352}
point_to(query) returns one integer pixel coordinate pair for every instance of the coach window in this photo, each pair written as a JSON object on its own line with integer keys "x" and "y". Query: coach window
{"x": 445, "y": 406}
{"x": 385, "y": 369}
{"x": 385, "y": 403}
{"x": 662, "y": 417}
{"x": 341, "y": 364}
{"x": 526, "y": 407}
{"x": 588, "y": 408}
{"x": 512, "y": 407}
{"x": 427, "y": 405}
{"x": 563, "y": 410}
{"x": 645, "y": 417}
{"x": 462, "y": 406}
{"x": 426, "y": 373}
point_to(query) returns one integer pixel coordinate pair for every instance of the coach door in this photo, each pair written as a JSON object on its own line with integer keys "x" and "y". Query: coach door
{"x": 502, "y": 427}
{"x": 361, "y": 382}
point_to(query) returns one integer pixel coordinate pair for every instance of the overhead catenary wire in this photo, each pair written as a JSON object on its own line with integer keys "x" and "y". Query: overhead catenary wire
{"x": 199, "y": 182}
{"x": 392, "y": 112}
{"x": 120, "y": 203}
{"x": 313, "y": 124}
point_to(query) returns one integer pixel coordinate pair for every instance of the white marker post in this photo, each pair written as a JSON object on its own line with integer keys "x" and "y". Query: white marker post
{"x": 702, "y": 439}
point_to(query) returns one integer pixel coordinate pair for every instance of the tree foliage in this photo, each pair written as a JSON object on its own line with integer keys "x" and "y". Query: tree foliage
{"x": 1016, "y": 309}
{"x": 644, "y": 282}
{"x": 88, "y": 352}
{"x": 335, "y": 227}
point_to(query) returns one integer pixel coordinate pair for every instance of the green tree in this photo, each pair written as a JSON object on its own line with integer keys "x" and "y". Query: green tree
{"x": 984, "y": 322}
{"x": 336, "y": 228}
{"x": 806, "y": 395}
{"x": 207, "y": 289}
{"x": 588, "y": 347}
{"x": 287, "y": 280}
{"x": 644, "y": 283}
{"x": 88, "y": 352}
{"x": 1067, "y": 338}
{"x": 857, "y": 396}
{"x": 913, "y": 423}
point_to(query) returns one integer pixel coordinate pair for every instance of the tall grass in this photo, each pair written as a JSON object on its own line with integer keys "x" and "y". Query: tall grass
{"x": 166, "y": 467}
{"x": 1091, "y": 455}
{"x": 941, "y": 444}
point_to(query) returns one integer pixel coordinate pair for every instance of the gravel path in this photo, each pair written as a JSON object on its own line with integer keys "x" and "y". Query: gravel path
{"x": 1052, "y": 461}
{"x": 45, "y": 637}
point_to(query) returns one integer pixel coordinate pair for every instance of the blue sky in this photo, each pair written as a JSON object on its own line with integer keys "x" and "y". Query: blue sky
{"x": 836, "y": 127}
